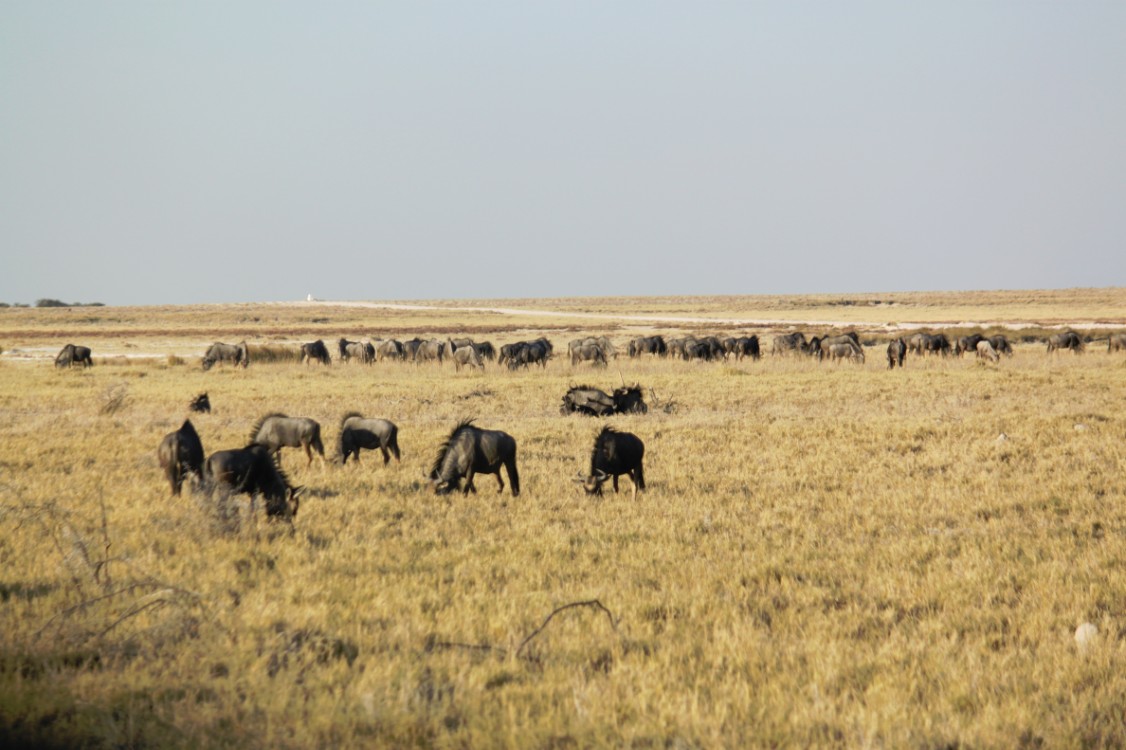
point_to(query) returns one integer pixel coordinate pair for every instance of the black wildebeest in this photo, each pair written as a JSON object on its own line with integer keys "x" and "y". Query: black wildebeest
{"x": 1066, "y": 340}
{"x": 74, "y": 355}
{"x": 1116, "y": 342}
{"x": 525, "y": 353}
{"x": 1001, "y": 345}
{"x": 485, "y": 350}
{"x": 744, "y": 346}
{"x": 595, "y": 402}
{"x": 315, "y": 351}
{"x": 927, "y": 343}
{"x": 468, "y": 451}
{"x": 236, "y": 354}
{"x": 788, "y": 342}
{"x": 615, "y": 453}
{"x": 254, "y": 471}
{"x": 967, "y": 343}
{"x": 277, "y": 431}
{"x": 181, "y": 456}
{"x": 897, "y": 352}
{"x": 358, "y": 350}
{"x": 648, "y": 345}
{"x": 356, "y": 432}
{"x": 201, "y": 404}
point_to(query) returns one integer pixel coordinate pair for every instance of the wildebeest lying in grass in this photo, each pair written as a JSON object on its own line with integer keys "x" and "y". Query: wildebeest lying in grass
{"x": 597, "y": 403}
{"x": 357, "y": 432}
{"x": 277, "y": 431}
{"x": 74, "y": 355}
{"x": 468, "y": 451}
{"x": 615, "y": 453}
{"x": 254, "y": 471}
{"x": 181, "y": 456}
{"x": 315, "y": 351}
{"x": 236, "y": 354}
{"x": 201, "y": 404}
{"x": 897, "y": 352}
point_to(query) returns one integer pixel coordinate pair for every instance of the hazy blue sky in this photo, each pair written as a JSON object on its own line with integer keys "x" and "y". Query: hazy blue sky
{"x": 157, "y": 152}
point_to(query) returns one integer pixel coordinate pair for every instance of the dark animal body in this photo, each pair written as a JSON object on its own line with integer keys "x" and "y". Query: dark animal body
{"x": 1001, "y": 345}
{"x": 587, "y": 350}
{"x": 595, "y": 402}
{"x": 356, "y": 432}
{"x": 525, "y": 353}
{"x": 615, "y": 453}
{"x": 648, "y": 345}
{"x": 789, "y": 342}
{"x": 235, "y": 354}
{"x": 74, "y": 355}
{"x": 315, "y": 351}
{"x": 927, "y": 343}
{"x": 1066, "y": 340}
{"x": 1116, "y": 343}
{"x": 277, "y": 431}
{"x": 254, "y": 471}
{"x": 743, "y": 346}
{"x": 181, "y": 456}
{"x": 468, "y": 451}
{"x": 897, "y": 352}
{"x": 201, "y": 404}
{"x": 358, "y": 350}
{"x": 968, "y": 344}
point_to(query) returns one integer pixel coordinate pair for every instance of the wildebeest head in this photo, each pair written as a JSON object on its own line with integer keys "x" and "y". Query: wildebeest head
{"x": 628, "y": 400}
{"x": 592, "y": 483}
{"x": 200, "y": 403}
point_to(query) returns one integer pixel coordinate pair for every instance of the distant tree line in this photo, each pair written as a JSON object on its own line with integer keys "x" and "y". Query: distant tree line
{"x": 54, "y": 303}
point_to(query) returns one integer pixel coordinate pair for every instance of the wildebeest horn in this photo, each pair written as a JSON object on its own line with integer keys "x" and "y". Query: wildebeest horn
{"x": 623, "y": 379}
{"x": 601, "y": 474}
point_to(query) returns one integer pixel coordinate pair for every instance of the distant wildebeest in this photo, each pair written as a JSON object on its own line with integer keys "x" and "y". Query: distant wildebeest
{"x": 410, "y": 349}
{"x": 1001, "y": 345}
{"x": 674, "y": 348}
{"x": 927, "y": 343}
{"x": 525, "y": 353}
{"x": 469, "y": 451}
{"x": 235, "y": 354}
{"x": 315, "y": 351}
{"x": 485, "y": 350}
{"x": 615, "y": 453}
{"x": 1066, "y": 340}
{"x": 985, "y": 350}
{"x": 74, "y": 355}
{"x": 743, "y": 346}
{"x": 1116, "y": 343}
{"x": 430, "y": 351}
{"x": 254, "y": 471}
{"x": 181, "y": 456}
{"x": 358, "y": 350}
{"x": 897, "y": 352}
{"x": 786, "y": 343}
{"x": 356, "y": 432}
{"x": 277, "y": 431}
{"x": 584, "y": 399}
{"x": 586, "y": 350}
{"x": 467, "y": 356}
{"x": 968, "y": 343}
{"x": 821, "y": 347}
{"x": 454, "y": 344}
{"x": 201, "y": 404}
{"x": 842, "y": 350}
{"x": 647, "y": 345}
{"x": 390, "y": 349}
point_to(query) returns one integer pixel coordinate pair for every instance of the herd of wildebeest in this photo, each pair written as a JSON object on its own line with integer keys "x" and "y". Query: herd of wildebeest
{"x": 255, "y": 470}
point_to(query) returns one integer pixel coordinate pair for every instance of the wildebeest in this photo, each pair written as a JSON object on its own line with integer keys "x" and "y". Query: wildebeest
{"x": 277, "y": 431}
{"x": 410, "y": 348}
{"x": 485, "y": 350}
{"x": 1001, "y": 345}
{"x": 927, "y": 343}
{"x": 430, "y": 351}
{"x": 1116, "y": 342}
{"x": 842, "y": 350}
{"x": 1066, "y": 340}
{"x": 389, "y": 349}
{"x": 254, "y": 471}
{"x": 74, "y": 355}
{"x": 201, "y": 404}
{"x": 897, "y": 352}
{"x": 468, "y": 451}
{"x": 356, "y": 432}
{"x": 315, "y": 351}
{"x": 647, "y": 345}
{"x": 821, "y": 347}
{"x": 967, "y": 343}
{"x": 525, "y": 353}
{"x": 181, "y": 456}
{"x": 467, "y": 356}
{"x": 743, "y": 346}
{"x": 235, "y": 354}
{"x": 586, "y": 350}
{"x": 615, "y": 453}
{"x": 789, "y": 342}
{"x": 985, "y": 350}
{"x": 595, "y": 402}
{"x": 358, "y": 350}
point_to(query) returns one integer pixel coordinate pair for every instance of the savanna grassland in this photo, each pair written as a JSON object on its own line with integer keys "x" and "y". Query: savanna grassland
{"x": 826, "y": 554}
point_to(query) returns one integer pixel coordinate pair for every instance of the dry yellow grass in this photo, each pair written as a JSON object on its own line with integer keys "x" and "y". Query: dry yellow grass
{"x": 827, "y": 555}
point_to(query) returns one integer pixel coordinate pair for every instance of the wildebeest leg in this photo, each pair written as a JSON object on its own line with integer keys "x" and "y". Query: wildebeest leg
{"x": 469, "y": 484}
{"x": 638, "y": 477}
{"x": 615, "y": 484}
{"x": 513, "y": 476}
{"x": 500, "y": 481}
{"x": 386, "y": 454}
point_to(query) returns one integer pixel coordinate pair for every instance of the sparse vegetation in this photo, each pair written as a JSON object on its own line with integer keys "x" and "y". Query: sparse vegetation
{"x": 825, "y": 555}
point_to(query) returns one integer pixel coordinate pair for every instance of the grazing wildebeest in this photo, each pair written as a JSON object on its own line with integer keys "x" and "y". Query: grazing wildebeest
{"x": 743, "y": 346}
{"x": 468, "y": 451}
{"x": 839, "y": 351}
{"x": 236, "y": 354}
{"x": 200, "y": 403}
{"x": 597, "y": 403}
{"x": 1066, "y": 340}
{"x": 254, "y": 471}
{"x": 897, "y": 352}
{"x": 1001, "y": 345}
{"x": 935, "y": 344}
{"x": 357, "y": 432}
{"x": 467, "y": 356}
{"x": 648, "y": 345}
{"x": 985, "y": 350}
{"x": 525, "y": 353}
{"x": 968, "y": 344}
{"x": 430, "y": 351}
{"x": 786, "y": 343}
{"x": 360, "y": 350}
{"x": 390, "y": 349}
{"x": 821, "y": 346}
{"x": 615, "y": 453}
{"x": 674, "y": 348}
{"x": 1116, "y": 343}
{"x": 410, "y": 349}
{"x": 277, "y": 431}
{"x": 586, "y": 350}
{"x": 74, "y": 355}
{"x": 915, "y": 343}
{"x": 485, "y": 350}
{"x": 181, "y": 456}
{"x": 315, "y": 351}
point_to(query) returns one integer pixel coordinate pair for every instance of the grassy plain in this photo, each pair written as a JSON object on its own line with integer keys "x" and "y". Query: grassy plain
{"x": 827, "y": 555}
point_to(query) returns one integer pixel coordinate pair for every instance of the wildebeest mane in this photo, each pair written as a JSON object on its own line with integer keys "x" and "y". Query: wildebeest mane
{"x": 262, "y": 421}
{"x": 600, "y": 441}
{"x": 436, "y": 470}
{"x": 348, "y": 416}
